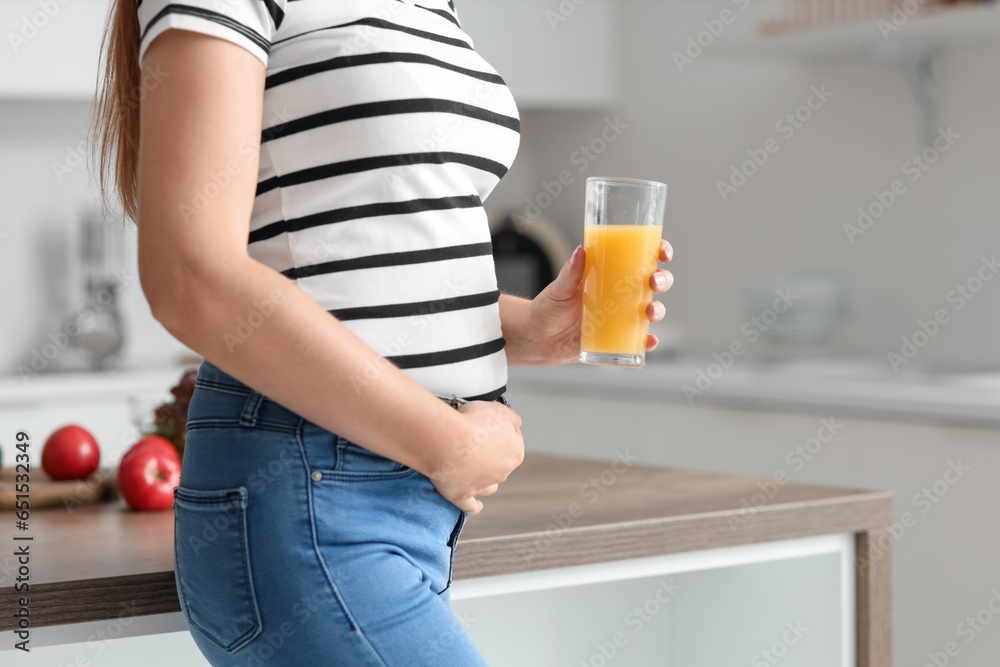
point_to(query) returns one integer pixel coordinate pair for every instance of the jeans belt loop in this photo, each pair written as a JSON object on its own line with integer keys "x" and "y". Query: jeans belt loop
{"x": 251, "y": 409}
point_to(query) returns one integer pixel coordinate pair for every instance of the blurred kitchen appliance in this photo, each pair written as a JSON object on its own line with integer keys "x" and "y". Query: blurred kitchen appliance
{"x": 101, "y": 264}
{"x": 90, "y": 335}
{"x": 527, "y": 253}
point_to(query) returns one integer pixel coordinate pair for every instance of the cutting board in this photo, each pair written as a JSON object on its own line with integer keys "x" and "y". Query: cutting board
{"x": 44, "y": 492}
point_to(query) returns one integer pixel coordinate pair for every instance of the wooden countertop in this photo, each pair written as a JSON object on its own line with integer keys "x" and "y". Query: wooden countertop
{"x": 89, "y": 562}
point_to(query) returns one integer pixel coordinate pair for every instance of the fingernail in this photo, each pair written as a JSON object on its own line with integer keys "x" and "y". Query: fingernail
{"x": 575, "y": 258}
{"x": 660, "y": 280}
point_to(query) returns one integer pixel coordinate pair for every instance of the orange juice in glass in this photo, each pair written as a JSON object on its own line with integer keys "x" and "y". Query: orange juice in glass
{"x": 623, "y": 227}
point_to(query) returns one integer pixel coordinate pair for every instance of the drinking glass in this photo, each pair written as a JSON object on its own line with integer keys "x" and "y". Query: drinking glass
{"x": 622, "y": 231}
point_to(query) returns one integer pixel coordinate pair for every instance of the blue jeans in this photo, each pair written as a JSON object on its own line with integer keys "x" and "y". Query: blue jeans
{"x": 297, "y": 548}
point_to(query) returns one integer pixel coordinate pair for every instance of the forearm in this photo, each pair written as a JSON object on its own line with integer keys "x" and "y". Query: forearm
{"x": 521, "y": 348}
{"x": 305, "y": 359}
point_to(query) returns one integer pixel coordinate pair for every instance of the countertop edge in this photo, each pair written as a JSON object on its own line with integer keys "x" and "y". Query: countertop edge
{"x": 77, "y": 601}
{"x": 654, "y": 537}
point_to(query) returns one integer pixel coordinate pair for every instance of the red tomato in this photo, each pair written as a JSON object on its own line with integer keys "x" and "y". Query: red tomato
{"x": 148, "y": 474}
{"x": 71, "y": 452}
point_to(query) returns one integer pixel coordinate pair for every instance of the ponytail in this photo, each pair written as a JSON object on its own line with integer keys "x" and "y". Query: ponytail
{"x": 114, "y": 127}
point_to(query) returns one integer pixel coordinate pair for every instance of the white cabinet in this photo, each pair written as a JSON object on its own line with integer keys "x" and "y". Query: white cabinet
{"x": 51, "y": 48}
{"x": 791, "y": 601}
{"x": 551, "y": 54}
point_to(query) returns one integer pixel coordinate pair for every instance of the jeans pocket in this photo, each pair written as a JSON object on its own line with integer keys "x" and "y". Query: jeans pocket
{"x": 212, "y": 565}
{"x": 355, "y": 463}
{"x": 453, "y": 544}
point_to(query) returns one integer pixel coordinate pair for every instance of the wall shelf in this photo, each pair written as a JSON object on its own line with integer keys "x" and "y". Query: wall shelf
{"x": 562, "y": 58}
{"x": 938, "y": 28}
{"x": 913, "y": 43}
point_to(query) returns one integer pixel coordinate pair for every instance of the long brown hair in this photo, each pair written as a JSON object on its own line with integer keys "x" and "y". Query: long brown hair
{"x": 114, "y": 128}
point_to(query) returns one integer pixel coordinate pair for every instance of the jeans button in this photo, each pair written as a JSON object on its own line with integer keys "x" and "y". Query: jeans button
{"x": 316, "y": 476}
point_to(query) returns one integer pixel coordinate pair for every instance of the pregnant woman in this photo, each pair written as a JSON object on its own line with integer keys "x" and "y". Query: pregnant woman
{"x": 307, "y": 179}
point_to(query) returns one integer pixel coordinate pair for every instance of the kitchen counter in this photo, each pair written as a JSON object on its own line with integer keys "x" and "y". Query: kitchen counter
{"x": 87, "y": 386}
{"x": 845, "y": 385}
{"x": 86, "y": 564}
{"x": 855, "y": 384}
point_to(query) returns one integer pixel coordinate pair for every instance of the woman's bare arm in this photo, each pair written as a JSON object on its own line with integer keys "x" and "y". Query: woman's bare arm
{"x": 198, "y": 162}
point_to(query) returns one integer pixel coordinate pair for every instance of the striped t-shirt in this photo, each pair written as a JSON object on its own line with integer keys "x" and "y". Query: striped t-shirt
{"x": 383, "y": 133}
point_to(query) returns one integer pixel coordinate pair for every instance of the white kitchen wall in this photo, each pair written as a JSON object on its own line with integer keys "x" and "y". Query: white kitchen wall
{"x": 45, "y": 185}
{"x": 687, "y": 129}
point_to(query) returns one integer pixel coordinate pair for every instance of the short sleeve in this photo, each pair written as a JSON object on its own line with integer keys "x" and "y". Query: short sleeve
{"x": 249, "y": 23}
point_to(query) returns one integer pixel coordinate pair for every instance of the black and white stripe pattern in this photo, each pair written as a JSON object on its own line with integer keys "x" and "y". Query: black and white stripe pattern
{"x": 383, "y": 133}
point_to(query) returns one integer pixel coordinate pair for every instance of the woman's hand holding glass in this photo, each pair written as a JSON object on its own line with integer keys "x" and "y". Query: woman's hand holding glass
{"x": 556, "y": 314}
